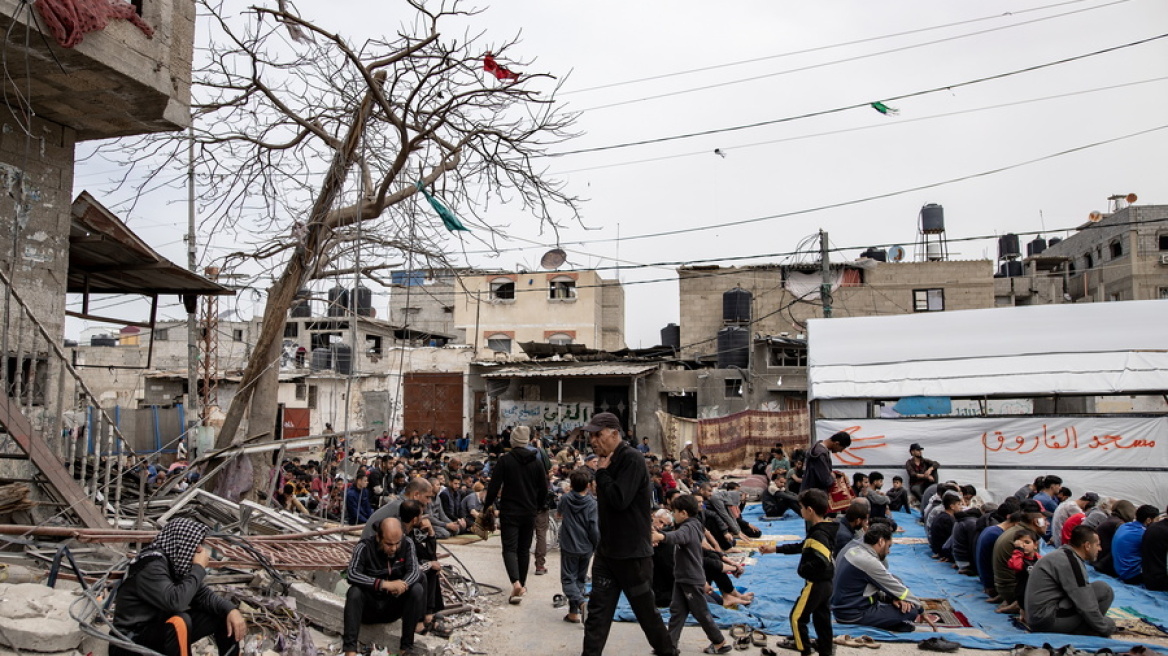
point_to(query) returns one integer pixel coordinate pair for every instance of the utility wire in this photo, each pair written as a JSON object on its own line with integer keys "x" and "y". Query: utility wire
{"x": 805, "y": 51}
{"x": 809, "y": 67}
{"x": 824, "y": 112}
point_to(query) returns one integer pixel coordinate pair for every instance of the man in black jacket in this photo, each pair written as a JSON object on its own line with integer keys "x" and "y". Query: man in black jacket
{"x": 162, "y": 604}
{"x": 519, "y": 482}
{"x": 385, "y": 584}
{"x": 818, "y": 466}
{"x": 624, "y": 558}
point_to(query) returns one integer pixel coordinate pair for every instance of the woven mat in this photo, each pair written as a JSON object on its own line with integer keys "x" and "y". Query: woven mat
{"x": 942, "y": 615}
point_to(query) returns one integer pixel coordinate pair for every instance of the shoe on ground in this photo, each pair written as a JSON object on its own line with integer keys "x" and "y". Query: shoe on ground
{"x": 939, "y": 644}
{"x": 789, "y": 643}
{"x": 570, "y": 620}
{"x": 540, "y": 571}
{"x": 715, "y": 649}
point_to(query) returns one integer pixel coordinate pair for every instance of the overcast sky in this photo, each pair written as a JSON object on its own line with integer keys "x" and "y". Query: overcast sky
{"x": 771, "y": 60}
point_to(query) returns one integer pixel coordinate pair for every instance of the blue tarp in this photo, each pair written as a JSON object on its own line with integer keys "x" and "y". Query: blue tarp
{"x": 776, "y": 585}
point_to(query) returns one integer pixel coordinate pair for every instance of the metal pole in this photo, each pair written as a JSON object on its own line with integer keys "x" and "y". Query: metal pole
{"x": 825, "y": 271}
{"x": 192, "y": 405}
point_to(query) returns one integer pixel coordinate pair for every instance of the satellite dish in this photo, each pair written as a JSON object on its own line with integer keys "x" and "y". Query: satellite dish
{"x": 896, "y": 254}
{"x": 1095, "y": 217}
{"x": 553, "y": 259}
{"x": 1131, "y": 198}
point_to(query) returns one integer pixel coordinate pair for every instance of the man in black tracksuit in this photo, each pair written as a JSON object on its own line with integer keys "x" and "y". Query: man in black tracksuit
{"x": 818, "y": 474}
{"x": 624, "y": 558}
{"x": 519, "y": 482}
{"x": 817, "y": 568}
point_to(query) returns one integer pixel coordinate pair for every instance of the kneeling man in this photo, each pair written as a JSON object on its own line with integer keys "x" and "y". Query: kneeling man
{"x": 384, "y": 585}
{"x": 1059, "y": 599}
{"x": 866, "y": 592}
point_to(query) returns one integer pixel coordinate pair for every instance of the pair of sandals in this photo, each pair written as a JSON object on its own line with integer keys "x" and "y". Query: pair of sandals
{"x": 856, "y": 641}
{"x": 743, "y": 637}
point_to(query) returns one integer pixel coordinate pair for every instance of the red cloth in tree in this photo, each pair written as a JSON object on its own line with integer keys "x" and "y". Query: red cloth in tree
{"x": 70, "y": 20}
{"x": 499, "y": 71}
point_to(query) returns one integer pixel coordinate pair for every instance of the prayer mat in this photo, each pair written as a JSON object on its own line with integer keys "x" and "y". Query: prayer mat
{"x": 782, "y": 538}
{"x": 910, "y": 540}
{"x": 754, "y": 544}
{"x": 941, "y": 614}
{"x": 1129, "y": 622}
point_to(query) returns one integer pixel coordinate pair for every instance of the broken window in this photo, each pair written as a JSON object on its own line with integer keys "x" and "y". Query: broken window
{"x": 928, "y": 300}
{"x": 32, "y": 372}
{"x": 301, "y": 391}
{"x": 312, "y": 397}
{"x": 503, "y": 289}
{"x": 1116, "y": 248}
{"x": 562, "y": 288}
{"x": 733, "y": 388}
{"x": 788, "y": 356}
{"x": 500, "y": 343}
{"x": 373, "y": 344}
{"x": 291, "y": 330}
{"x": 237, "y": 335}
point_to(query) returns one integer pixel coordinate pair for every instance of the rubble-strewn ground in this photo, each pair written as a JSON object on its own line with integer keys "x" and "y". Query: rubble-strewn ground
{"x": 535, "y": 628}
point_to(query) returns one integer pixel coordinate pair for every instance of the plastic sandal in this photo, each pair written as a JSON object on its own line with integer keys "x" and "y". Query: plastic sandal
{"x": 758, "y": 638}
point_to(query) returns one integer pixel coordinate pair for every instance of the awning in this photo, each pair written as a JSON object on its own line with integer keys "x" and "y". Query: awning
{"x": 603, "y": 370}
{"x": 1043, "y": 350}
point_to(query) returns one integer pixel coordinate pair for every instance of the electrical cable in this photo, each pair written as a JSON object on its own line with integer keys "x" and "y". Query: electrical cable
{"x": 867, "y": 104}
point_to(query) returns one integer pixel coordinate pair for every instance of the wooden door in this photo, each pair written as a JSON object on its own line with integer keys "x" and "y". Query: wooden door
{"x": 433, "y": 403}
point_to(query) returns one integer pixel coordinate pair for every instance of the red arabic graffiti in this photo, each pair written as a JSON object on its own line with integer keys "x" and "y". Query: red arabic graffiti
{"x": 1068, "y": 438}
{"x": 849, "y": 456}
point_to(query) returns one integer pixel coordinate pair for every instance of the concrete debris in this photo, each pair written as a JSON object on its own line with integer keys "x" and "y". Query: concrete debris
{"x": 35, "y": 618}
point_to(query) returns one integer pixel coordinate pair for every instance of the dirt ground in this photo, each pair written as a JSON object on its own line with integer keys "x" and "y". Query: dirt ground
{"x": 536, "y": 628}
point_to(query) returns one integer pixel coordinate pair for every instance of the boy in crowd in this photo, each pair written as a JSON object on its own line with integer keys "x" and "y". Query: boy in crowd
{"x": 816, "y": 567}
{"x": 579, "y": 535}
{"x": 898, "y": 495}
{"x": 689, "y": 579}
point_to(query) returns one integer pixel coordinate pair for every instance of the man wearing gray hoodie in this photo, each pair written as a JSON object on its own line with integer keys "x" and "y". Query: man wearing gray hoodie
{"x": 579, "y": 535}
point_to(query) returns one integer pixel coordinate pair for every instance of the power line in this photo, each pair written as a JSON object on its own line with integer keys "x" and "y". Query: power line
{"x": 824, "y": 112}
{"x": 844, "y": 60}
{"x": 805, "y": 51}
{"x": 705, "y": 152}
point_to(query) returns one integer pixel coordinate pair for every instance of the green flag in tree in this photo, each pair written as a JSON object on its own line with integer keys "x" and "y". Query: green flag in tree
{"x": 448, "y": 218}
{"x": 884, "y": 109}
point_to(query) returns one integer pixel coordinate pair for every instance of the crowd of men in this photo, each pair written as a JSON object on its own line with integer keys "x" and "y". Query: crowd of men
{"x": 659, "y": 531}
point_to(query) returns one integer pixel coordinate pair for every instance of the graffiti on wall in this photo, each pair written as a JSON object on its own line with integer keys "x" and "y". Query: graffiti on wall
{"x": 544, "y": 414}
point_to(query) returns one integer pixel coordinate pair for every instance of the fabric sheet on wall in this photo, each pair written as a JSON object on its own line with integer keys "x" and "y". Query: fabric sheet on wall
{"x": 731, "y": 441}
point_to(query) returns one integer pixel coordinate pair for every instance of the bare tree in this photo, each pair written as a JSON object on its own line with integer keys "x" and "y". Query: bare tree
{"x": 283, "y": 124}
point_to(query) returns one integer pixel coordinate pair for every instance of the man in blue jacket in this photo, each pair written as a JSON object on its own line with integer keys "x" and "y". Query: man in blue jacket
{"x": 357, "y": 506}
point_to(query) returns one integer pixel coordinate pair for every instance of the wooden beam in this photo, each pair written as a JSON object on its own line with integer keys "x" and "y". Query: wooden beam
{"x": 49, "y": 464}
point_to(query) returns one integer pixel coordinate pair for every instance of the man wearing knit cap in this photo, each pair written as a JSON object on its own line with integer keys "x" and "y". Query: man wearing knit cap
{"x": 624, "y": 558}
{"x": 519, "y": 482}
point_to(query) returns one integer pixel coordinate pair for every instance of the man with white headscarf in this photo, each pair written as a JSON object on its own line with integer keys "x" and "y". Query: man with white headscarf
{"x": 164, "y": 605}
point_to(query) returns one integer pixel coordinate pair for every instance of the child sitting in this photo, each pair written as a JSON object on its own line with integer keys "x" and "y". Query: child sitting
{"x": 1022, "y": 560}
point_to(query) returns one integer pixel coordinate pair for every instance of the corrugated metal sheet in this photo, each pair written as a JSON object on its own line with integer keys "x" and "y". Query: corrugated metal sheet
{"x": 574, "y": 371}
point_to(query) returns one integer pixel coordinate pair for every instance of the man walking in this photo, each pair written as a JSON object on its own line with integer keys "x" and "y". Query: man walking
{"x": 624, "y": 558}
{"x": 519, "y": 482}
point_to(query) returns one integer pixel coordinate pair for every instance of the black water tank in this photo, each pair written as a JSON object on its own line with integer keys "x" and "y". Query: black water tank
{"x": 875, "y": 254}
{"x": 343, "y": 359}
{"x": 1011, "y": 269}
{"x": 1035, "y": 247}
{"x": 671, "y": 336}
{"x": 364, "y": 301}
{"x": 932, "y": 219}
{"x": 302, "y": 304}
{"x": 736, "y": 306}
{"x": 1053, "y": 241}
{"x": 1008, "y": 247}
{"x": 322, "y": 358}
{"x": 733, "y": 347}
{"x": 103, "y": 340}
{"x": 338, "y": 302}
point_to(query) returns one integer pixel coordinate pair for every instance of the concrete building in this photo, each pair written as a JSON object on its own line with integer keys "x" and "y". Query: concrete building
{"x": 424, "y": 300}
{"x": 498, "y": 311}
{"x": 1121, "y": 257}
{"x": 783, "y": 297}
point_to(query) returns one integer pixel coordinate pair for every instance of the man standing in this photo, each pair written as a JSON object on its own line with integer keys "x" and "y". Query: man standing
{"x": 357, "y": 506}
{"x": 817, "y": 475}
{"x": 922, "y": 472}
{"x": 624, "y": 558}
{"x": 384, "y": 585}
{"x": 519, "y": 482}
{"x": 1058, "y": 597}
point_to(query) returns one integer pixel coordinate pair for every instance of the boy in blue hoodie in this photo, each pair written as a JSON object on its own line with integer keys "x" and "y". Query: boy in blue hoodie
{"x": 579, "y": 535}
{"x": 689, "y": 578}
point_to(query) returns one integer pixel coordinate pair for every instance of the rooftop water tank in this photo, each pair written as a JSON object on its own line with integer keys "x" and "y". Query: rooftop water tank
{"x": 343, "y": 359}
{"x": 103, "y": 340}
{"x": 1053, "y": 241}
{"x": 671, "y": 336}
{"x": 875, "y": 254}
{"x": 932, "y": 219}
{"x": 338, "y": 302}
{"x": 322, "y": 358}
{"x": 733, "y": 347}
{"x": 1011, "y": 269}
{"x": 302, "y": 304}
{"x": 736, "y": 306}
{"x": 1008, "y": 247}
{"x": 933, "y": 252}
{"x": 364, "y": 301}
{"x": 1035, "y": 247}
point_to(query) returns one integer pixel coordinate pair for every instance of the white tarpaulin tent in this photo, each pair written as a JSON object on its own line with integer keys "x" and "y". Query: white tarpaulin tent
{"x": 1084, "y": 349}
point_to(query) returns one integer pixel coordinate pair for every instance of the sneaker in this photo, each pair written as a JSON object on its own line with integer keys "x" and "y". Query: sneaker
{"x": 938, "y": 644}
{"x": 540, "y": 571}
